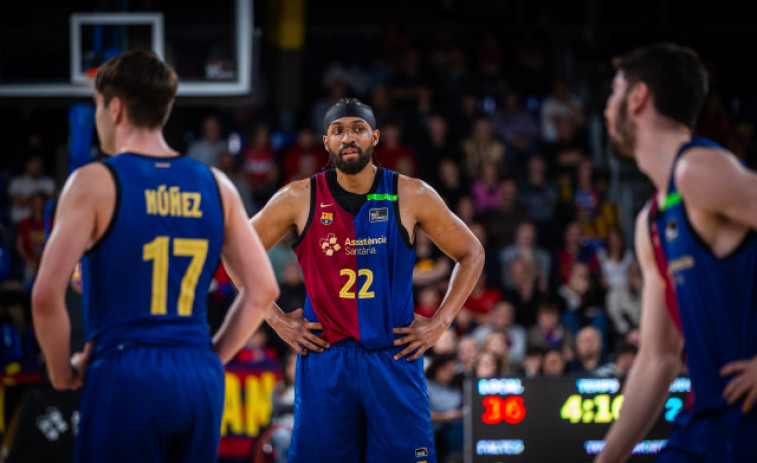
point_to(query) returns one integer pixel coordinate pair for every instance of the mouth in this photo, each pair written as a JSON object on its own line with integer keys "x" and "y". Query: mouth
{"x": 349, "y": 153}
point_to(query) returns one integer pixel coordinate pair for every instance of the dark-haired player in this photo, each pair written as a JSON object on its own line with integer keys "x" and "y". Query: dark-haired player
{"x": 698, "y": 253}
{"x": 360, "y": 390}
{"x": 151, "y": 226}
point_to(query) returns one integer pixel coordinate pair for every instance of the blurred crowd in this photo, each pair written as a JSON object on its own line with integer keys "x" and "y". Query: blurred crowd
{"x": 506, "y": 141}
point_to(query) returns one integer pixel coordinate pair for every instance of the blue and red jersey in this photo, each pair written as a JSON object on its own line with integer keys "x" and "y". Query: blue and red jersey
{"x": 712, "y": 299}
{"x": 358, "y": 264}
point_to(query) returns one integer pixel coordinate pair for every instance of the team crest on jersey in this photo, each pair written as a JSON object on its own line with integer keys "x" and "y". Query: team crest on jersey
{"x": 671, "y": 230}
{"x": 380, "y": 214}
{"x": 327, "y": 218}
{"x": 329, "y": 244}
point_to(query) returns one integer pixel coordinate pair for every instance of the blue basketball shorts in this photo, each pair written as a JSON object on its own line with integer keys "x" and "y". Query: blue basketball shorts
{"x": 358, "y": 405}
{"x": 151, "y": 404}
{"x": 724, "y": 436}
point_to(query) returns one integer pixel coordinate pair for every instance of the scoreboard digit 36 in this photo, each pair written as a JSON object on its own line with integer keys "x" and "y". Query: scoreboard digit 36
{"x": 554, "y": 419}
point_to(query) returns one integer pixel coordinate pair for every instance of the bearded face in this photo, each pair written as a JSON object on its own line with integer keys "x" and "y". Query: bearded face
{"x": 351, "y": 159}
{"x": 349, "y": 142}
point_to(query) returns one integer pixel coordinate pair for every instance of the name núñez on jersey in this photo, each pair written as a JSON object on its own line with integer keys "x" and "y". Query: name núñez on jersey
{"x": 172, "y": 202}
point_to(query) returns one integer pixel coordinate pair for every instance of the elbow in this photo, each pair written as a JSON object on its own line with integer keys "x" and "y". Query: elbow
{"x": 43, "y": 299}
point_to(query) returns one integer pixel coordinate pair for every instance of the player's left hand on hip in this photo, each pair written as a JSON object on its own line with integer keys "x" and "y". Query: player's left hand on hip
{"x": 744, "y": 384}
{"x": 79, "y": 363}
{"x": 419, "y": 337}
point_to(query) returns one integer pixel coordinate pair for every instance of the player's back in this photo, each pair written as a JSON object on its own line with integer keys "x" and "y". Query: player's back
{"x": 146, "y": 280}
{"x": 717, "y": 296}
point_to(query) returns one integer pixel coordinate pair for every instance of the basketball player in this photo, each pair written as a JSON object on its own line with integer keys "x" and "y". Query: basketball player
{"x": 698, "y": 253}
{"x": 151, "y": 226}
{"x": 360, "y": 391}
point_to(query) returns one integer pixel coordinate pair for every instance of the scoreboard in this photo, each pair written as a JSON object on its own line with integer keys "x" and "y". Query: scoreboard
{"x": 554, "y": 419}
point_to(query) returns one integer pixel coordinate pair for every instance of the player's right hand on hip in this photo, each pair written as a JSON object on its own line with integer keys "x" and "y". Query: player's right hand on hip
{"x": 296, "y": 331}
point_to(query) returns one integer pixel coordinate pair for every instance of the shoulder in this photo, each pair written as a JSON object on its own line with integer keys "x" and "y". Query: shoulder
{"x": 411, "y": 186}
{"x": 699, "y": 164}
{"x": 90, "y": 177}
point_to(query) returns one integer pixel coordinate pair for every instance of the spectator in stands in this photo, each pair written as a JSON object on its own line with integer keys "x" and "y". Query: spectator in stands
{"x": 427, "y": 301}
{"x": 614, "y": 259}
{"x": 31, "y": 237}
{"x": 304, "y": 158}
{"x": 589, "y": 351}
{"x": 524, "y": 293}
{"x": 292, "y": 288}
{"x": 549, "y": 332}
{"x": 560, "y": 104}
{"x": 392, "y": 153}
{"x": 573, "y": 250}
{"x": 496, "y": 343}
{"x": 467, "y": 352}
{"x": 554, "y": 363}
{"x": 282, "y": 409}
{"x": 23, "y": 187}
{"x": 434, "y": 148}
{"x": 488, "y": 366}
{"x": 211, "y": 144}
{"x": 532, "y": 365}
{"x": 501, "y": 222}
{"x": 227, "y": 164}
{"x": 482, "y": 148}
{"x": 582, "y": 302}
{"x": 449, "y": 182}
{"x": 525, "y": 247}
{"x": 539, "y": 197}
{"x": 517, "y": 127}
{"x": 624, "y": 301}
{"x": 446, "y": 345}
{"x": 480, "y": 303}
{"x": 502, "y": 319}
{"x": 431, "y": 265}
{"x": 259, "y": 165}
{"x": 446, "y": 405}
{"x": 486, "y": 190}
{"x": 625, "y": 354}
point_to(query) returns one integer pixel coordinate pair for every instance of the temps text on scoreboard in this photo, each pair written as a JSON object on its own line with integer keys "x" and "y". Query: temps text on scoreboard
{"x": 554, "y": 419}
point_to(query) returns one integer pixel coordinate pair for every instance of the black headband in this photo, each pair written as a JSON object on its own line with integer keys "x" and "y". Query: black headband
{"x": 349, "y": 110}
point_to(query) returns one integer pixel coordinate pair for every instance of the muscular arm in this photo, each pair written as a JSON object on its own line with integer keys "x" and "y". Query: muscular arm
{"x": 731, "y": 193}
{"x": 88, "y": 190}
{"x": 656, "y": 364}
{"x": 245, "y": 256}
{"x": 288, "y": 208}
{"x": 422, "y": 206}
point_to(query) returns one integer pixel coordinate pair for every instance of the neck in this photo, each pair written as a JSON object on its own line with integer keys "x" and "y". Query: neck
{"x": 359, "y": 183}
{"x": 148, "y": 142}
{"x": 656, "y": 148}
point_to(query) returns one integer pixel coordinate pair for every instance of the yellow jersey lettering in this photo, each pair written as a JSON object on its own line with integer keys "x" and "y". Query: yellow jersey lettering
{"x": 163, "y": 201}
{"x": 151, "y": 201}
{"x": 175, "y": 201}
{"x": 171, "y": 201}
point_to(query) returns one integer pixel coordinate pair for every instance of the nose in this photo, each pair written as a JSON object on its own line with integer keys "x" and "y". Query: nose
{"x": 348, "y": 136}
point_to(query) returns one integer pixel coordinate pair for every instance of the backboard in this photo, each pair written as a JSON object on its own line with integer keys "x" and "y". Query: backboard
{"x": 53, "y": 49}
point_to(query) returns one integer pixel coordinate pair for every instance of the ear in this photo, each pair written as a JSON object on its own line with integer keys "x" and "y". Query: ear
{"x": 376, "y": 135}
{"x": 116, "y": 109}
{"x": 325, "y": 143}
{"x": 638, "y": 98}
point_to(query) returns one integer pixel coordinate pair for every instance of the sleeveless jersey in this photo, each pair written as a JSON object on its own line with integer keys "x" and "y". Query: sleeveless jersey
{"x": 716, "y": 297}
{"x": 358, "y": 268}
{"x": 146, "y": 280}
